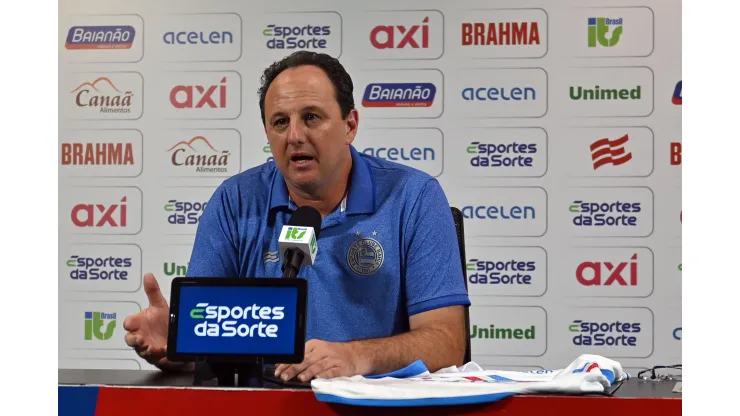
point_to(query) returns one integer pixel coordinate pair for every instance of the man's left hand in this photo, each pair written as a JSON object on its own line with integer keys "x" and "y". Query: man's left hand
{"x": 325, "y": 360}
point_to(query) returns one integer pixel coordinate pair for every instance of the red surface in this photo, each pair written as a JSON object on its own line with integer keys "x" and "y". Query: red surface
{"x": 115, "y": 401}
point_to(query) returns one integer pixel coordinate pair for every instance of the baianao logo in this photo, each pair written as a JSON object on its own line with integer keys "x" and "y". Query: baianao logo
{"x": 100, "y": 37}
{"x": 225, "y": 321}
{"x": 399, "y": 95}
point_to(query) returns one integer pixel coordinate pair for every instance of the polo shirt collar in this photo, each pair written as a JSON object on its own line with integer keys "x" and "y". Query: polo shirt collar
{"x": 359, "y": 200}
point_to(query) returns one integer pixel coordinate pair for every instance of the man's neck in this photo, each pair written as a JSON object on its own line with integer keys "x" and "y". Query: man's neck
{"x": 326, "y": 199}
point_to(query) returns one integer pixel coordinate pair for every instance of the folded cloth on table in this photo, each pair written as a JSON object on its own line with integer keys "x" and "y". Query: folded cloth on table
{"x": 416, "y": 386}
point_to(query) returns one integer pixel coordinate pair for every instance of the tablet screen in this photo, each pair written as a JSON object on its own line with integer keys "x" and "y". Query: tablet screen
{"x": 248, "y": 320}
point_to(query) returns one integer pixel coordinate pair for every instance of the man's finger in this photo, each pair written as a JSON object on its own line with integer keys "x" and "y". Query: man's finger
{"x": 280, "y": 368}
{"x": 296, "y": 369}
{"x": 132, "y": 323}
{"x": 316, "y": 368}
{"x": 132, "y": 340}
{"x": 331, "y": 372}
{"x": 151, "y": 287}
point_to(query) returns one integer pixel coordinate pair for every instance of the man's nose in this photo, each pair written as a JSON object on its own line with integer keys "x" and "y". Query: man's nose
{"x": 296, "y": 133}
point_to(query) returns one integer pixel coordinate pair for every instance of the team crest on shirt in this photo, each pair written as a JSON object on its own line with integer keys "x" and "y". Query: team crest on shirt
{"x": 365, "y": 256}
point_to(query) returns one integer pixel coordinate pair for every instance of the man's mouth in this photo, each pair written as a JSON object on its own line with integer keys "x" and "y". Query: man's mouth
{"x": 301, "y": 159}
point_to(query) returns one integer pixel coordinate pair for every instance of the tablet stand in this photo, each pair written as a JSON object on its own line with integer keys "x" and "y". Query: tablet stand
{"x": 230, "y": 374}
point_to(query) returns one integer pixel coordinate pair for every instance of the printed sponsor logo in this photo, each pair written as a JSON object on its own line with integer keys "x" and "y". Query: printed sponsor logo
{"x": 505, "y": 152}
{"x": 402, "y": 93}
{"x": 94, "y": 325}
{"x": 405, "y": 34}
{"x": 103, "y": 210}
{"x": 677, "y": 97}
{"x": 183, "y": 208}
{"x": 610, "y": 92}
{"x": 100, "y": 268}
{"x": 501, "y": 33}
{"x": 233, "y": 321}
{"x": 502, "y": 211}
{"x": 677, "y": 334}
{"x": 675, "y": 153}
{"x": 200, "y": 37}
{"x": 100, "y": 37}
{"x": 610, "y": 152}
{"x": 612, "y": 271}
{"x": 108, "y": 96}
{"x": 612, "y": 212}
{"x": 604, "y": 31}
{"x": 515, "y": 92}
{"x": 626, "y": 332}
{"x": 202, "y": 153}
{"x": 399, "y": 95}
{"x": 517, "y": 331}
{"x": 284, "y": 33}
{"x": 102, "y": 153}
{"x": 419, "y": 148}
{"x": 203, "y": 95}
{"x": 184, "y": 212}
{"x": 506, "y": 271}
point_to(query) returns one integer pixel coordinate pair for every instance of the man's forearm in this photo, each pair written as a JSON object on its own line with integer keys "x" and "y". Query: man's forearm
{"x": 437, "y": 348}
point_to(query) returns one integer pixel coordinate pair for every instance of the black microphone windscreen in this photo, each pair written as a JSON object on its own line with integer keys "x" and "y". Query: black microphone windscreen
{"x": 306, "y": 216}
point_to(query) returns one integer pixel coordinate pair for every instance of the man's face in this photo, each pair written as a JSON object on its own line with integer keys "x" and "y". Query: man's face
{"x": 304, "y": 126}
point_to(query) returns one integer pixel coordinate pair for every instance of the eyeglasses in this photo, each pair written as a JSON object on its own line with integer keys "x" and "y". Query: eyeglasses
{"x": 661, "y": 372}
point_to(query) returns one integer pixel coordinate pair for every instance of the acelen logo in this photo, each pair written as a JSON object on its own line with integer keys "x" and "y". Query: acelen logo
{"x": 412, "y": 36}
{"x": 675, "y": 153}
{"x": 100, "y": 37}
{"x": 513, "y": 212}
{"x": 610, "y": 152}
{"x": 500, "y": 33}
{"x": 87, "y": 215}
{"x": 677, "y": 95}
{"x": 596, "y": 273}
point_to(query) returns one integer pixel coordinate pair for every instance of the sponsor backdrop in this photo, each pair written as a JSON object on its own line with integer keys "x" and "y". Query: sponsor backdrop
{"x": 555, "y": 126}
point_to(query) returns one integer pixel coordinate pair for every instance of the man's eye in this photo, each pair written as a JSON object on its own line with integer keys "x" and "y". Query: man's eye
{"x": 311, "y": 117}
{"x": 280, "y": 122}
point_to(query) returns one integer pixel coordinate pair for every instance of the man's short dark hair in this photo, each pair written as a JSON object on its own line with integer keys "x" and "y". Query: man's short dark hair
{"x": 341, "y": 80}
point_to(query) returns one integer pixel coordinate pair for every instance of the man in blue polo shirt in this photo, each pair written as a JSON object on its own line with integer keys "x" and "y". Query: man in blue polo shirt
{"x": 386, "y": 288}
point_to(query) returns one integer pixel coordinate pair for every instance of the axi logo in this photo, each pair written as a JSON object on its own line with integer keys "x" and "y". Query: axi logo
{"x": 295, "y": 233}
{"x": 514, "y": 212}
{"x": 399, "y": 37}
{"x": 97, "y": 154}
{"x": 494, "y": 332}
{"x": 510, "y": 272}
{"x": 600, "y": 214}
{"x": 505, "y": 155}
{"x": 175, "y": 270}
{"x": 675, "y": 153}
{"x": 104, "y": 95}
{"x": 184, "y": 212}
{"x": 94, "y": 322}
{"x": 296, "y": 37}
{"x": 677, "y": 95}
{"x": 500, "y": 33}
{"x": 100, "y": 37}
{"x": 227, "y": 320}
{"x": 99, "y": 268}
{"x": 199, "y": 96}
{"x": 89, "y": 215}
{"x": 399, "y": 95}
{"x": 596, "y": 273}
{"x": 198, "y": 153}
{"x": 600, "y": 27}
{"x": 610, "y": 152}
{"x": 599, "y": 334}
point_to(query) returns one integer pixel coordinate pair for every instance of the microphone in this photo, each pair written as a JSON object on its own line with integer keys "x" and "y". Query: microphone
{"x": 297, "y": 241}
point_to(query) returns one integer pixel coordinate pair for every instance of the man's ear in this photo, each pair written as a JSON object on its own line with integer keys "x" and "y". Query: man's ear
{"x": 351, "y": 125}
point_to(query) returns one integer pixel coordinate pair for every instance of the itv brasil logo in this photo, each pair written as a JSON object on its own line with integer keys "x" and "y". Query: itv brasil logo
{"x": 297, "y": 234}
{"x": 94, "y": 322}
{"x": 604, "y": 31}
{"x": 226, "y": 321}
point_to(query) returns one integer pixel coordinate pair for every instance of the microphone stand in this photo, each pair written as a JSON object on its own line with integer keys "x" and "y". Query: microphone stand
{"x": 292, "y": 263}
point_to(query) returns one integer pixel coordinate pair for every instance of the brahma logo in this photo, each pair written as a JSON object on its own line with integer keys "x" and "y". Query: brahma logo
{"x": 101, "y": 153}
{"x": 236, "y": 321}
{"x": 97, "y": 154}
{"x": 500, "y": 34}
{"x": 100, "y": 37}
{"x": 610, "y": 152}
{"x": 675, "y": 153}
{"x": 399, "y": 95}
{"x": 599, "y": 333}
{"x": 677, "y": 96}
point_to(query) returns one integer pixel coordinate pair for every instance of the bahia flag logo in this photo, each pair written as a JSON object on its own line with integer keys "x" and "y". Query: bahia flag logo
{"x": 677, "y": 94}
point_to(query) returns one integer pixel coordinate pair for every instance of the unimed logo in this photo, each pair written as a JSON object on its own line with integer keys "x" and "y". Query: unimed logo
{"x": 100, "y": 215}
{"x": 227, "y": 321}
{"x": 94, "y": 322}
{"x": 494, "y": 332}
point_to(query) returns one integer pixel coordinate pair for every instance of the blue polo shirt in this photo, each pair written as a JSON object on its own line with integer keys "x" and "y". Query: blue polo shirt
{"x": 389, "y": 251}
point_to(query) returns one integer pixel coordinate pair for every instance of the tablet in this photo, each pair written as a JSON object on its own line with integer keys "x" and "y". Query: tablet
{"x": 237, "y": 319}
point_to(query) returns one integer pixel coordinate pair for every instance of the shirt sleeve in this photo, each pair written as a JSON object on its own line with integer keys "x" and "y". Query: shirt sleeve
{"x": 215, "y": 252}
{"x": 434, "y": 276}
